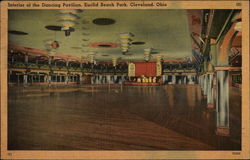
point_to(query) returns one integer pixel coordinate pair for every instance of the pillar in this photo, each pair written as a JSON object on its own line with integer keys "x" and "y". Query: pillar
{"x": 115, "y": 78}
{"x": 205, "y": 85}
{"x": 49, "y": 78}
{"x": 173, "y": 79}
{"x": 49, "y": 61}
{"x": 202, "y": 82}
{"x": 185, "y": 80}
{"x": 108, "y": 78}
{"x": 66, "y": 79}
{"x": 81, "y": 78}
{"x": 210, "y": 91}
{"x": 25, "y": 79}
{"x": 222, "y": 103}
{"x": 92, "y": 79}
{"x": 26, "y": 58}
{"x": 190, "y": 79}
{"x": 179, "y": 81}
{"x": 45, "y": 78}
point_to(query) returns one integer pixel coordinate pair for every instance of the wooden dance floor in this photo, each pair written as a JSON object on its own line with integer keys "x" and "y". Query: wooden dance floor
{"x": 100, "y": 117}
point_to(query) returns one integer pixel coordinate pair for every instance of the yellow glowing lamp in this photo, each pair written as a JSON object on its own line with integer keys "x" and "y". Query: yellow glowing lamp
{"x": 125, "y": 40}
{"x": 67, "y": 24}
{"x": 54, "y": 44}
{"x": 114, "y": 61}
{"x": 125, "y": 35}
{"x": 67, "y": 16}
{"x": 125, "y": 45}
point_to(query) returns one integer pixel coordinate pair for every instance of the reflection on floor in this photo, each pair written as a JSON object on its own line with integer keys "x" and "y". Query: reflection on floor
{"x": 171, "y": 117}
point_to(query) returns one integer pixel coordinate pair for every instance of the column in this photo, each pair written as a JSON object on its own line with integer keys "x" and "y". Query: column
{"x": 45, "y": 78}
{"x": 32, "y": 78}
{"x": 190, "y": 79}
{"x": 25, "y": 79}
{"x": 81, "y": 78}
{"x": 166, "y": 79}
{"x": 205, "y": 85}
{"x": 115, "y": 78}
{"x": 179, "y": 81}
{"x": 66, "y": 79}
{"x": 222, "y": 103}
{"x": 173, "y": 79}
{"x": 26, "y": 58}
{"x": 108, "y": 78}
{"x": 92, "y": 79}
{"x": 49, "y": 79}
{"x": 210, "y": 91}
{"x": 185, "y": 80}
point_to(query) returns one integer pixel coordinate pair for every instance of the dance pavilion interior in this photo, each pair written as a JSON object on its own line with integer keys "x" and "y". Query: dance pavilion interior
{"x": 124, "y": 79}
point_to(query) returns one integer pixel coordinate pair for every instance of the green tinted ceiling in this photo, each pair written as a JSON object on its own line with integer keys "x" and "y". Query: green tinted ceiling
{"x": 165, "y": 30}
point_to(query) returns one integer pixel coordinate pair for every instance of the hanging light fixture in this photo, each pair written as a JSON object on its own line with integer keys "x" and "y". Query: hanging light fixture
{"x": 147, "y": 54}
{"x": 125, "y": 39}
{"x": 67, "y": 19}
{"x": 114, "y": 61}
{"x": 91, "y": 57}
{"x": 52, "y": 45}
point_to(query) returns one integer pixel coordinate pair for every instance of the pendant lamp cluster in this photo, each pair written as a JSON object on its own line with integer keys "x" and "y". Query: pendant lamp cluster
{"x": 52, "y": 45}
{"x": 147, "y": 54}
{"x": 91, "y": 57}
{"x": 114, "y": 61}
{"x": 68, "y": 17}
{"x": 125, "y": 41}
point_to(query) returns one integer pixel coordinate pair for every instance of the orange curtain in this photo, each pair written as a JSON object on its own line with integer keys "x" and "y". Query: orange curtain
{"x": 147, "y": 69}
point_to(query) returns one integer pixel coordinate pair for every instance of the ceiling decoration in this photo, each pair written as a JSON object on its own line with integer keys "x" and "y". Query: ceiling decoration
{"x": 57, "y": 28}
{"x": 17, "y": 32}
{"x": 147, "y": 54}
{"x": 170, "y": 35}
{"x": 91, "y": 57}
{"x": 114, "y": 61}
{"x": 67, "y": 19}
{"x": 53, "y": 28}
{"x": 103, "y": 45}
{"x": 51, "y": 46}
{"x": 138, "y": 43}
{"x": 103, "y": 21}
{"x": 125, "y": 39}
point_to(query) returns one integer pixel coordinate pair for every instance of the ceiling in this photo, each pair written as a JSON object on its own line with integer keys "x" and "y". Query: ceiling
{"x": 166, "y": 31}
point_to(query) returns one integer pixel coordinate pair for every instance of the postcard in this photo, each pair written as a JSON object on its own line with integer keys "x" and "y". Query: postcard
{"x": 125, "y": 79}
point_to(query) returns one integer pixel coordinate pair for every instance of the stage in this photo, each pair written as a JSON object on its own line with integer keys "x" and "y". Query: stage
{"x": 141, "y": 84}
